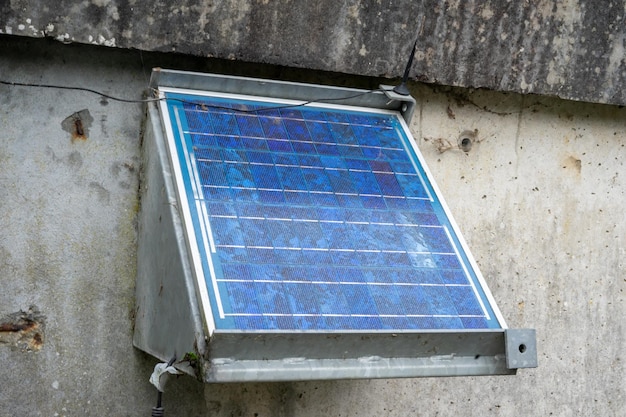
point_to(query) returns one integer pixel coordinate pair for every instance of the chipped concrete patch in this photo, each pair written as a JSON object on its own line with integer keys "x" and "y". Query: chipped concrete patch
{"x": 23, "y": 330}
{"x": 77, "y": 124}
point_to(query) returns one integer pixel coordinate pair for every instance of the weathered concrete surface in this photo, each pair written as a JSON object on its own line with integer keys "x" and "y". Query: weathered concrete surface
{"x": 573, "y": 49}
{"x": 67, "y": 240}
{"x": 539, "y": 198}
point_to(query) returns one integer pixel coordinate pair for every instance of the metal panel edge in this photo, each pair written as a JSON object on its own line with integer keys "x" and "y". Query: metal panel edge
{"x": 167, "y": 317}
{"x": 293, "y": 357}
{"x": 368, "y": 368}
{"x": 273, "y": 345}
{"x": 381, "y": 98}
{"x": 176, "y": 195}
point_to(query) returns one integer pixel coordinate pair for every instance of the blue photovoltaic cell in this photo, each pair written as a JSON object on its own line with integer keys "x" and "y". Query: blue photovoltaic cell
{"x": 319, "y": 219}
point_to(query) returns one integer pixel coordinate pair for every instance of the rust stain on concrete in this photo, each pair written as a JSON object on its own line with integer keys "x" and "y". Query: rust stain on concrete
{"x": 23, "y": 330}
{"x": 77, "y": 124}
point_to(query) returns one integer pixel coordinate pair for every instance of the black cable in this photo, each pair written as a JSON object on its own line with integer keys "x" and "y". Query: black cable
{"x": 158, "y": 411}
{"x": 269, "y": 108}
{"x": 199, "y": 104}
{"x": 402, "y": 89}
{"x": 89, "y": 90}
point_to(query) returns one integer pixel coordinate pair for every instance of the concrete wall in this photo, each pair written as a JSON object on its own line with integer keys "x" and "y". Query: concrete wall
{"x": 539, "y": 198}
{"x": 568, "y": 48}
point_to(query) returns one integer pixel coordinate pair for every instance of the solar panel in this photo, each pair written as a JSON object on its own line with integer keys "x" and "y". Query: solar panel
{"x": 283, "y": 240}
{"x": 317, "y": 218}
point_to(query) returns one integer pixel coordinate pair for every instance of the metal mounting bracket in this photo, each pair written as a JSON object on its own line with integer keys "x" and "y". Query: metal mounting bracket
{"x": 521, "y": 348}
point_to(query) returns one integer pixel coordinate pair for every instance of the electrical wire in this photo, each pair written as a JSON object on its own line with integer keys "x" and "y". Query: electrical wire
{"x": 89, "y": 90}
{"x": 272, "y": 108}
{"x": 199, "y": 104}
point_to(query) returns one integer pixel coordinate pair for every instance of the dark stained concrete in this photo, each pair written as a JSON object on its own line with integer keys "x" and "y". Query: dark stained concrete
{"x": 573, "y": 49}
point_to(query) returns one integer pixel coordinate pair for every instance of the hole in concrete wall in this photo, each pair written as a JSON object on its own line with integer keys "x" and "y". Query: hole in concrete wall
{"x": 522, "y": 348}
{"x": 466, "y": 140}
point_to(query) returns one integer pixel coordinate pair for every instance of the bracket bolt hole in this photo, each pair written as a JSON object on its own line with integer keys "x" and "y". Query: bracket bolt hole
{"x": 466, "y": 139}
{"x": 522, "y": 348}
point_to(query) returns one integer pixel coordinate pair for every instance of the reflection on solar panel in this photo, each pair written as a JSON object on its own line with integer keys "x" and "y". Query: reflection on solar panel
{"x": 314, "y": 218}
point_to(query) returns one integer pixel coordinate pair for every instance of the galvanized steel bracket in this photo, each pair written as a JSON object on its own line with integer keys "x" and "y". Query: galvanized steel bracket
{"x": 521, "y": 348}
